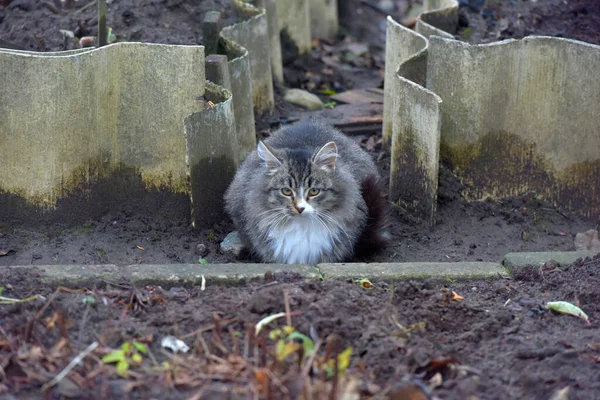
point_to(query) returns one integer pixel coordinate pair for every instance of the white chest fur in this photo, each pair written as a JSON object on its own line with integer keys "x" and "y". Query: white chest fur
{"x": 304, "y": 241}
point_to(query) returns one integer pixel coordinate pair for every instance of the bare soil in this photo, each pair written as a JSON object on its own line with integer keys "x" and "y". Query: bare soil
{"x": 496, "y": 342}
{"x": 464, "y": 231}
{"x": 464, "y": 340}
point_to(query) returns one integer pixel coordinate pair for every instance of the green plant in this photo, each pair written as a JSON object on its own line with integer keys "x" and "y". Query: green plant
{"x": 129, "y": 353}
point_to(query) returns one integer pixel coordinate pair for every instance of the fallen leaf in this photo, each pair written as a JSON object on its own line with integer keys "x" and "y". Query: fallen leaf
{"x": 5, "y": 252}
{"x": 561, "y": 394}
{"x": 456, "y": 296}
{"x": 438, "y": 364}
{"x": 435, "y": 381}
{"x": 364, "y": 284}
{"x": 565, "y": 307}
{"x": 593, "y": 357}
{"x": 139, "y": 247}
{"x": 283, "y": 349}
{"x": 267, "y": 320}
{"x": 262, "y": 379}
{"x": 86, "y": 41}
{"x": 594, "y": 346}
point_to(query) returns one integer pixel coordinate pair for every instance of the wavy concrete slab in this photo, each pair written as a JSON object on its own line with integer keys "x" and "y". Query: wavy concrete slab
{"x": 90, "y": 124}
{"x": 253, "y": 34}
{"x": 67, "y": 121}
{"x": 212, "y": 155}
{"x": 512, "y": 117}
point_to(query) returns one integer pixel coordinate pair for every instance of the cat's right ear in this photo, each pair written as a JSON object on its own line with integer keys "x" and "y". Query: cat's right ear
{"x": 271, "y": 161}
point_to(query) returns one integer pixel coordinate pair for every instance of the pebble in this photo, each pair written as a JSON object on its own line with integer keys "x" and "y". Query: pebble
{"x": 303, "y": 99}
{"x": 232, "y": 244}
{"x": 201, "y": 249}
{"x": 587, "y": 241}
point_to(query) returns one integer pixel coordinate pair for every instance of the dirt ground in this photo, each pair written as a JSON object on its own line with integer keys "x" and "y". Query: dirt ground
{"x": 464, "y": 231}
{"x": 463, "y": 340}
{"x": 459, "y": 340}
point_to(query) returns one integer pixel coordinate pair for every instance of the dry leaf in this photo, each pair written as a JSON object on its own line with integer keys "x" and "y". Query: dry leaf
{"x": 435, "y": 381}
{"x": 139, "y": 247}
{"x": 456, "y": 296}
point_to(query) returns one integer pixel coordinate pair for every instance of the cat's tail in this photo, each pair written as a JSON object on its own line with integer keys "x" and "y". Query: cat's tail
{"x": 375, "y": 235}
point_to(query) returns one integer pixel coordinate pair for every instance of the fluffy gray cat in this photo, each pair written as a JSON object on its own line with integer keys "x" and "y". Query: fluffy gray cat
{"x": 308, "y": 194}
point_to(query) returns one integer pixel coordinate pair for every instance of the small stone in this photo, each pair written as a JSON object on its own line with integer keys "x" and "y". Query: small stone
{"x": 232, "y": 244}
{"x": 587, "y": 240}
{"x": 387, "y": 5}
{"x": 67, "y": 388}
{"x": 201, "y": 250}
{"x": 303, "y": 98}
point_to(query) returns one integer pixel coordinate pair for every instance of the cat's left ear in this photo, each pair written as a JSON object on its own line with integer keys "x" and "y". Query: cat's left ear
{"x": 326, "y": 157}
{"x": 271, "y": 161}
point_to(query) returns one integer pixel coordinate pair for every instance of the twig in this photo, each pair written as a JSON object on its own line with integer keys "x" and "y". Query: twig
{"x": 82, "y": 325}
{"x": 69, "y": 367}
{"x": 8, "y": 300}
{"x": 82, "y": 9}
{"x": 308, "y": 364}
{"x": 40, "y": 313}
{"x": 51, "y": 7}
{"x": 288, "y": 312}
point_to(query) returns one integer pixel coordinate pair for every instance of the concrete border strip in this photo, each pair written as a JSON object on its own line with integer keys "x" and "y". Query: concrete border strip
{"x": 517, "y": 261}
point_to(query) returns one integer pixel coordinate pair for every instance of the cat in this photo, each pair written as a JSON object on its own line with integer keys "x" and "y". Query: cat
{"x": 306, "y": 195}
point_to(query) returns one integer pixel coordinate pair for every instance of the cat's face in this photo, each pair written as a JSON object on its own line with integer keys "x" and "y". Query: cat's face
{"x": 300, "y": 183}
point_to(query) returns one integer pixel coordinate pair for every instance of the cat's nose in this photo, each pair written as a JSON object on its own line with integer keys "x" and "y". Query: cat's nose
{"x": 299, "y": 209}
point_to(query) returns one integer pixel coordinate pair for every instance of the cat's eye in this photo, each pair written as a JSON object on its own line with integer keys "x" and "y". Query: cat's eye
{"x": 313, "y": 191}
{"x": 286, "y": 191}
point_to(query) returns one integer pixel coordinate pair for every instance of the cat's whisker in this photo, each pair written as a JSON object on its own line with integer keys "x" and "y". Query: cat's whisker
{"x": 332, "y": 219}
{"x": 318, "y": 218}
{"x": 274, "y": 219}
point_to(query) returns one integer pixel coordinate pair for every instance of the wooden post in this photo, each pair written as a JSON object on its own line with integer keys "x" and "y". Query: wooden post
{"x": 210, "y": 29}
{"x": 101, "y": 23}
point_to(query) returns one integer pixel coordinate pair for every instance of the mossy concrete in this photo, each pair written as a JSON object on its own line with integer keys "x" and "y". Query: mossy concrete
{"x": 76, "y": 275}
{"x": 294, "y": 18}
{"x": 411, "y": 125}
{"x": 191, "y": 274}
{"x": 515, "y": 261}
{"x": 515, "y": 117}
{"x": 252, "y": 33}
{"x": 212, "y": 155}
{"x": 324, "y": 23}
{"x": 68, "y": 121}
{"x": 414, "y": 270}
{"x": 161, "y": 274}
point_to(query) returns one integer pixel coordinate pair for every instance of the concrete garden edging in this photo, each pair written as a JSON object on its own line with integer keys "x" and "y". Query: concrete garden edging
{"x": 193, "y": 274}
{"x": 84, "y": 132}
{"x": 511, "y": 117}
